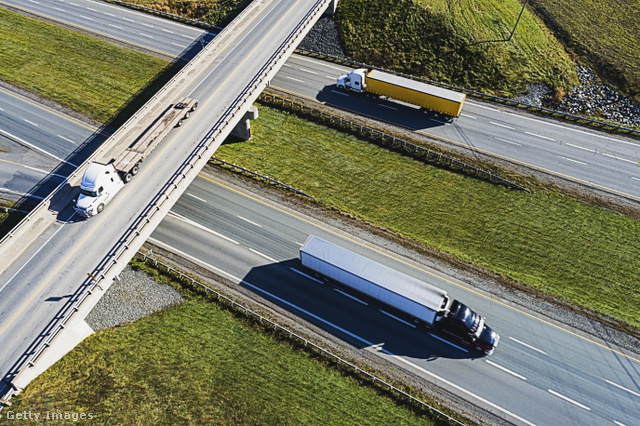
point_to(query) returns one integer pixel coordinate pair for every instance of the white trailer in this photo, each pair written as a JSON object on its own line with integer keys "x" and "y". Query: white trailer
{"x": 394, "y": 288}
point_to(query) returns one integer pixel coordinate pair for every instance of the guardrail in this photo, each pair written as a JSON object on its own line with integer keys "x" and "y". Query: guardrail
{"x": 293, "y": 336}
{"x": 200, "y": 154}
{"x": 486, "y": 96}
{"x": 260, "y": 176}
{"x": 415, "y": 151}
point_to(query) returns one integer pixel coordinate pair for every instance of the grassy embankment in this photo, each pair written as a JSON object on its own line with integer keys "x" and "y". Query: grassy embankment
{"x": 88, "y": 75}
{"x": 197, "y": 363}
{"x": 605, "y": 34}
{"x": 583, "y": 254}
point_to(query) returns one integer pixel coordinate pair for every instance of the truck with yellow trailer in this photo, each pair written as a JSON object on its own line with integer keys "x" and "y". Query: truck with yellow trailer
{"x": 392, "y": 86}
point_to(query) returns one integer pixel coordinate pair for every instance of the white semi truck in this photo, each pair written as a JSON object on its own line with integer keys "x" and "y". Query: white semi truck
{"x": 421, "y": 302}
{"x": 101, "y": 182}
{"x": 392, "y": 86}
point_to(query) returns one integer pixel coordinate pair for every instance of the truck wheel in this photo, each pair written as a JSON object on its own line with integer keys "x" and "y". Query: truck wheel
{"x": 193, "y": 108}
{"x": 100, "y": 208}
{"x": 179, "y": 123}
{"x": 187, "y": 114}
{"x": 341, "y": 87}
{"x": 127, "y": 177}
{"x": 135, "y": 170}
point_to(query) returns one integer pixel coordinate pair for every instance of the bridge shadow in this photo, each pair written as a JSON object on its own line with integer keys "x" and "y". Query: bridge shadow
{"x": 77, "y": 157}
{"x": 390, "y": 111}
{"x": 347, "y": 314}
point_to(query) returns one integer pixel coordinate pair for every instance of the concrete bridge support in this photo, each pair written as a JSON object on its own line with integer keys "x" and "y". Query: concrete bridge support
{"x": 243, "y": 129}
{"x": 331, "y": 10}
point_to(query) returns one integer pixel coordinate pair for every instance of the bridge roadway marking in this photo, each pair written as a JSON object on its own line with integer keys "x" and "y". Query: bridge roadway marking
{"x": 147, "y": 169}
{"x": 404, "y": 262}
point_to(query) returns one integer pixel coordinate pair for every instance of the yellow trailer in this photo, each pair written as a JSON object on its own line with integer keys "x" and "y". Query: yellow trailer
{"x": 415, "y": 92}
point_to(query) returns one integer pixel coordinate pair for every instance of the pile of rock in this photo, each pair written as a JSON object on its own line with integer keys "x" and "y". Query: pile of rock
{"x": 324, "y": 38}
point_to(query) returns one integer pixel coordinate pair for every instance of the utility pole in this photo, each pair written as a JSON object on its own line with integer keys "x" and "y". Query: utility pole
{"x": 519, "y": 16}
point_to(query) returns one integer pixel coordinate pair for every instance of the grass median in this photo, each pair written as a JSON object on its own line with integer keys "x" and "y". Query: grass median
{"x": 580, "y": 253}
{"x": 198, "y": 363}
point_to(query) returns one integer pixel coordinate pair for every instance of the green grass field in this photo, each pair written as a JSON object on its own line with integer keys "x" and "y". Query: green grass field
{"x": 199, "y": 364}
{"x": 580, "y": 253}
{"x": 605, "y": 34}
{"x": 86, "y": 74}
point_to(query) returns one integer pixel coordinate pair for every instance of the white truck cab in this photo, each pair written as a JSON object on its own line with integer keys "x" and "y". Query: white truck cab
{"x": 355, "y": 80}
{"x": 100, "y": 183}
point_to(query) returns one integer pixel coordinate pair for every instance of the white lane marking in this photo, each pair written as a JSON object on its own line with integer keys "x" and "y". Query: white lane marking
{"x": 581, "y": 147}
{"x": 187, "y": 36}
{"x": 31, "y": 122}
{"x": 86, "y": 17}
{"x": 179, "y": 45}
{"x": 540, "y": 136}
{"x": 501, "y": 125}
{"x": 306, "y": 275}
{"x": 366, "y": 342}
{"x": 469, "y": 116}
{"x": 485, "y": 107}
{"x": 66, "y": 139}
{"x": 33, "y": 1}
{"x": 164, "y": 30}
{"x": 340, "y": 93}
{"x": 618, "y": 423}
{"x": 350, "y": 296}
{"x": 196, "y": 197}
{"x": 308, "y": 71}
{"x": 295, "y": 79}
{"x": 635, "y": 178}
{"x": 300, "y": 244}
{"x": 128, "y": 20}
{"x": 622, "y": 387}
{"x": 37, "y": 252}
{"x": 270, "y": 259}
{"x": 286, "y": 65}
{"x": 91, "y": 9}
{"x": 148, "y": 25}
{"x": 506, "y": 370}
{"x": 315, "y": 62}
{"x": 618, "y": 158}
{"x": 109, "y": 14}
{"x": 60, "y": 9}
{"x": 249, "y": 221}
{"x": 32, "y": 146}
{"x": 463, "y": 390}
{"x": 566, "y": 398}
{"x": 528, "y": 346}
{"x": 447, "y": 342}
{"x": 397, "y": 319}
{"x": 572, "y": 160}
{"x": 194, "y": 259}
{"x": 23, "y": 194}
{"x": 73, "y": 4}
{"x": 390, "y": 107}
{"x": 330, "y": 77}
{"x": 115, "y": 26}
{"x": 507, "y": 141}
{"x": 1, "y": 109}
{"x": 204, "y": 228}
{"x": 146, "y": 35}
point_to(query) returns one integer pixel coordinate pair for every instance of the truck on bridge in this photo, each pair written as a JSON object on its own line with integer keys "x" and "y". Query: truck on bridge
{"x": 424, "y": 95}
{"x": 101, "y": 182}
{"x": 422, "y": 303}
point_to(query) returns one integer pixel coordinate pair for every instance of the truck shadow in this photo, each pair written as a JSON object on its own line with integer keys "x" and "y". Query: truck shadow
{"x": 392, "y": 112}
{"x": 350, "y": 316}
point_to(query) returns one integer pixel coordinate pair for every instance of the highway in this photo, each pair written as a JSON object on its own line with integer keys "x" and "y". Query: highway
{"x": 594, "y": 158}
{"x": 542, "y": 372}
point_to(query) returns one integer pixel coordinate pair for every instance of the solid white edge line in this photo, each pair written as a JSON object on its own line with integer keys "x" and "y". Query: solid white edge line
{"x": 566, "y": 398}
{"x": 350, "y": 296}
{"x": 463, "y": 390}
{"x": 366, "y": 342}
{"x": 396, "y": 318}
{"x": 204, "y": 228}
{"x": 270, "y": 259}
{"x": 506, "y": 370}
{"x": 32, "y": 146}
{"x": 448, "y": 342}
{"x": 306, "y": 275}
{"x": 527, "y": 345}
{"x": 249, "y": 221}
{"x": 622, "y": 387}
{"x": 194, "y": 259}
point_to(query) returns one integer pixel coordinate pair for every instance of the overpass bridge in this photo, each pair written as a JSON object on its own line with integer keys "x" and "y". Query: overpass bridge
{"x": 56, "y": 265}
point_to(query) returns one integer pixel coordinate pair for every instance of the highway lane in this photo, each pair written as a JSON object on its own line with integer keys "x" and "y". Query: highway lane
{"x": 542, "y": 372}
{"x": 594, "y": 158}
{"x": 57, "y": 264}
